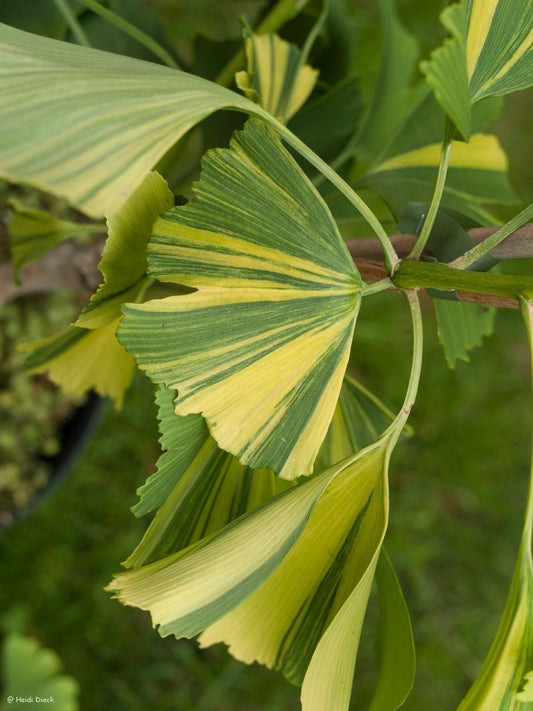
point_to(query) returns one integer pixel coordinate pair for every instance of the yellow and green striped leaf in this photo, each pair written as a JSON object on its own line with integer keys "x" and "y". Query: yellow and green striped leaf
{"x": 201, "y": 488}
{"x": 193, "y": 473}
{"x": 123, "y": 262}
{"x": 489, "y": 53}
{"x": 288, "y": 620}
{"x": 504, "y": 681}
{"x": 406, "y": 171}
{"x": 261, "y": 348}
{"x": 191, "y": 589}
{"x": 89, "y": 125}
{"x": 79, "y": 359}
{"x": 275, "y": 77}
{"x": 272, "y": 585}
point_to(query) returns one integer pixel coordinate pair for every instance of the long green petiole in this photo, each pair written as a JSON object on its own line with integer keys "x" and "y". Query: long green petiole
{"x": 423, "y": 237}
{"x": 416, "y": 364}
{"x": 494, "y": 240}
{"x": 72, "y": 21}
{"x": 390, "y": 257}
{"x": 527, "y": 312}
{"x": 129, "y": 29}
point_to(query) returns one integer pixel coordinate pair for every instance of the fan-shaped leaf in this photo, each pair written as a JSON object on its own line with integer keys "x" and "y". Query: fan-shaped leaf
{"x": 123, "y": 262}
{"x": 260, "y": 350}
{"x": 281, "y": 624}
{"x": 274, "y": 77}
{"x": 489, "y": 53}
{"x": 406, "y": 171}
{"x": 89, "y": 125}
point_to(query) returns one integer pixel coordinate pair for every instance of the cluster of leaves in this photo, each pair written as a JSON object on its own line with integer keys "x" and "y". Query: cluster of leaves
{"x": 271, "y": 497}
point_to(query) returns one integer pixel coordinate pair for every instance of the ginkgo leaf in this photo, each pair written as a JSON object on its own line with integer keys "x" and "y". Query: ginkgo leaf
{"x": 191, "y": 589}
{"x": 396, "y": 646}
{"x": 32, "y": 232}
{"x": 462, "y": 327}
{"x": 205, "y": 487}
{"x": 285, "y": 620}
{"x": 502, "y": 683}
{"x": 274, "y": 76}
{"x": 489, "y": 53}
{"x": 406, "y": 170}
{"x": 199, "y": 488}
{"x": 79, "y": 359}
{"x": 123, "y": 262}
{"x": 250, "y": 585}
{"x": 261, "y": 348}
{"x": 89, "y": 125}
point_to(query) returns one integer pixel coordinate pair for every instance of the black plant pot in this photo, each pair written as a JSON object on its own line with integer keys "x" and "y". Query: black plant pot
{"x": 75, "y": 433}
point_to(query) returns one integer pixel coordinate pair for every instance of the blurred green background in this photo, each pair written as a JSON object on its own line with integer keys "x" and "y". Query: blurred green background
{"x": 458, "y": 490}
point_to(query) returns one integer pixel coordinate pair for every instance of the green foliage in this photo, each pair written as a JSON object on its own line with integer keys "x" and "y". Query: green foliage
{"x": 32, "y": 674}
{"x": 271, "y": 498}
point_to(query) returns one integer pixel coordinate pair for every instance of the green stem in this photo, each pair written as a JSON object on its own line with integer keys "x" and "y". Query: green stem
{"x": 72, "y": 21}
{"x": 129, "y": 29}
{"x": 527, "y": 313}
{"x": 416, "y": 367}
{"x": 306, "y": 49}
{"x": 423, "y": 237}
{"x": 494, "y": 240}
{"x": 281, "y": 13}
{"x": 390, "y": 257}
{"x": 377, "y": 287}
{"x": 431, "y": 275}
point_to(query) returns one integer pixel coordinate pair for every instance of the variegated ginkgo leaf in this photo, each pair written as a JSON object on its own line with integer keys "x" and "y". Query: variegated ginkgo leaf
{"x": 88, "y": 354}
{"x": 283, "y": 581}
{"x": 274, "y": 76}
{"x": 123, "y": 262}
{"x": 490, "y": 53}
{"x": 193, "y": 473}
{"x": 261, "y": 348}
{"x": 89, "y": 125}
{"x": 284, "y": 622}
{"x": 407, "y": 168}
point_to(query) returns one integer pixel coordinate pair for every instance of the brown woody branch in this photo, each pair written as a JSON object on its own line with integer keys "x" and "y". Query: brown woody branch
{"x": 368, "y": 256}
{"x": 74, "y": 266}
